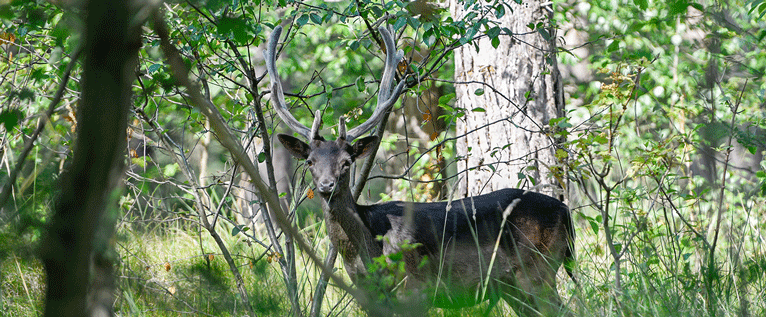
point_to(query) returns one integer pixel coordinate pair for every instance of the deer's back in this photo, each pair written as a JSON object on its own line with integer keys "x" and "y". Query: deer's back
{"x": 479, "y": 215}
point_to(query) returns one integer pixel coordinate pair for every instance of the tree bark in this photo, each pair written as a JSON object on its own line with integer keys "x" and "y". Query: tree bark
{"x": 87, "y": 188}
{"x": 522, "y": 92}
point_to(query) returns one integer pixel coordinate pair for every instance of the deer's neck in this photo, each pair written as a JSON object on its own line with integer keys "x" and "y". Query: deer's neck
{"x": 340, "y": 201}
{"x": 347, "y": 230}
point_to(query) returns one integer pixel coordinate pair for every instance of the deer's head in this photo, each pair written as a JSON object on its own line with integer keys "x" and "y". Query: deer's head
{"x": 329, "y": 161}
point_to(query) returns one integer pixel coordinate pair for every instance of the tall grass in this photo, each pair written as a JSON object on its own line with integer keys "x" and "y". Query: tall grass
{"x": 173, "y": 270}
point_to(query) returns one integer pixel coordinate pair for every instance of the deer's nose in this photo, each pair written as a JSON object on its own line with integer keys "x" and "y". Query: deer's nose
{"x": 326, "y": 187}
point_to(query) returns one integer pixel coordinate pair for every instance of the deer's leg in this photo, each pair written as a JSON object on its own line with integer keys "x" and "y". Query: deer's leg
{"x": 538, "y": 290}
{"x": 533, "y": 289}
{"x": 519, "y": 300}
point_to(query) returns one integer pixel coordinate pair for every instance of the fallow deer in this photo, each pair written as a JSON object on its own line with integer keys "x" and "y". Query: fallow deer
{"x": 505, "y": 244}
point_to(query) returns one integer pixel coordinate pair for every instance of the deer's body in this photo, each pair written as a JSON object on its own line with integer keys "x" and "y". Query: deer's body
{"x": 505, "y": 244}
{"x": 458, "y": 243}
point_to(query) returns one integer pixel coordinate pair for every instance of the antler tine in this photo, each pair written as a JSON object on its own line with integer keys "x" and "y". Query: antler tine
{"x": 316, "y": 126}
{"x": 342, "y": 127}
{"x": 277, "y": 95}
{"x": 386, "y": 98}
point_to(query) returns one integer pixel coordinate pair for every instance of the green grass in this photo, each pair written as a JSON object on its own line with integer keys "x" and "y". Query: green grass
{"x": 172, "y": 274}
{"x": 175, "y": 270}
{"x": 22, "y": 280}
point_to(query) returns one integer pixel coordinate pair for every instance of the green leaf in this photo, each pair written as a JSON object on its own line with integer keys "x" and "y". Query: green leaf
{"x": 615, "y": 45}
{"x": 428, "y": 38}
{"x": 594, "y": 223}
{"x": 302, "y": 20}
{"x": 635, "y": 26}
{"x": 600, "y": 139}
{"x": 26, "y": 94}
{"x": 234, "y": 28}
{"x": 400, "y": 22}
{"x": 37, "y": 17}
{"x": 427, "y": 26}
{"x": 261, "y": 157}
{"x": 544, "y": 33}
{"x": 560, "y": 122}
{"x": 238, "y": 229}
{"x": 214, "y": 5}
{"x": 493, "y": 32}
{"x": 478, "y": 109}
{"x": 39, "y": 75}
{"x": 153, "y": 68}
{"x": 641, "y": 4}
{"x": 360, "y": 85}
{"x": 170, "y": 170}
{"x": 354, "y": 45}
{"x": 479, "y": 92}
{"x": 676, "y": 7}
{"x": 500, "y": 10}
{"x": 443, "y": 100}
{"x": 140, "y": 161}
{"x": 10, "y": 118}
{"x": 468, "y": 35}
{"x": 315, "y": 18}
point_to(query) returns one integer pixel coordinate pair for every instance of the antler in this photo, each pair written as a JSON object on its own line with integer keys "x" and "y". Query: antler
{"x": 278, "y": 96}
{"x": 386, "y": 98}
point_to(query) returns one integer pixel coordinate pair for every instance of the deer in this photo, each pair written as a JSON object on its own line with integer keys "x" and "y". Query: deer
{"x": 507, "y": 244}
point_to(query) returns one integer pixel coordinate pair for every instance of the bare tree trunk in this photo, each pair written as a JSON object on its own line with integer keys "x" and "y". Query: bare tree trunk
{"x": 87, "y": 189}
{"x": 522, "y": 92}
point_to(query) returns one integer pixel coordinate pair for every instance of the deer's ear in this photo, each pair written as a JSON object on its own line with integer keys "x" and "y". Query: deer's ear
{"x": 296, "y": 147}
{"x": 364, "y": 146}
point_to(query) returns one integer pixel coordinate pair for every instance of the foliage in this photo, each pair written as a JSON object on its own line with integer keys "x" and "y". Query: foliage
{"x": 666, "y": 150}
{"x": 663, "y": 152}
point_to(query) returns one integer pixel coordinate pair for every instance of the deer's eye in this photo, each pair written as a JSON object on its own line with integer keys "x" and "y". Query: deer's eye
{"x": 346, "y": 164}
{"x": 309, "y": 162}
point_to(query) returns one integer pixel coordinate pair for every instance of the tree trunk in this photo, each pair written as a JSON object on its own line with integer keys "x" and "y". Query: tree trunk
{"x": 87, "y": 188}
{"x": 522, "y": 92}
